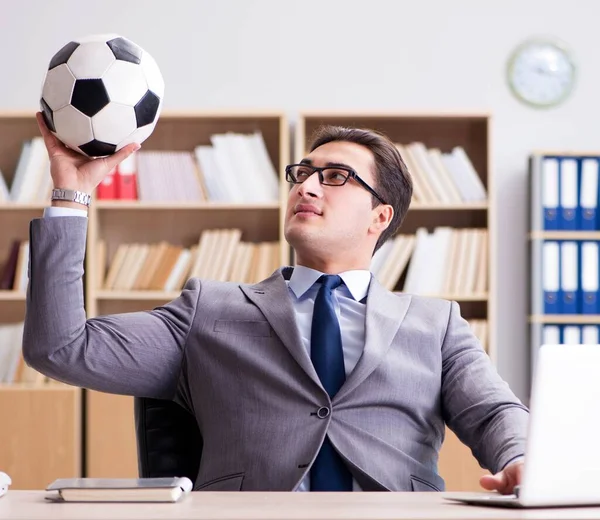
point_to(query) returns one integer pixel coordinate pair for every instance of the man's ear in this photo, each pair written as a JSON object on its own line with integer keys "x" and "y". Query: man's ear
{"x": 382, "y": 218}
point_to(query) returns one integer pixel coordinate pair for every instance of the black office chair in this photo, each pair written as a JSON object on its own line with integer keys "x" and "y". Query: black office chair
{"x": 169, "y": 443}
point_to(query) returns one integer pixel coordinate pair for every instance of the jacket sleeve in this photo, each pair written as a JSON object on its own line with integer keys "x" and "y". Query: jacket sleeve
{"x": 478, "y": 404}
{"x": 137, "y": 353}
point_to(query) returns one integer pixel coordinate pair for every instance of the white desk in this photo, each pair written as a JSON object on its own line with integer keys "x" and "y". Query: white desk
{"x": 30, "y": 505}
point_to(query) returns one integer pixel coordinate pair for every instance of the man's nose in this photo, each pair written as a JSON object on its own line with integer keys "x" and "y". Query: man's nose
{"x": 311, "y": 186}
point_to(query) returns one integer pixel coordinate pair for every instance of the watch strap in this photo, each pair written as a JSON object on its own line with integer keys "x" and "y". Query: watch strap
{"x": 71, "y": 196}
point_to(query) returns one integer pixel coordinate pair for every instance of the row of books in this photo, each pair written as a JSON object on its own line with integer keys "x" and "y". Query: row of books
{"x": 234, "y": 168}
{"x": 220, "y": 254}
{"x": 564, "y": 192}
{"x": 442, "y": 178}
{"x": 569, "y": 278}
{"x": 570, "y": 334}
{"x": 13, "y": 368}
{"x": 13, "y": 271}
{"x": 447, "y": 261}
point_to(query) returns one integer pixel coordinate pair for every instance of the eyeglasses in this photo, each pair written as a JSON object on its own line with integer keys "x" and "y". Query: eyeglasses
{"x": 328, "y": 176}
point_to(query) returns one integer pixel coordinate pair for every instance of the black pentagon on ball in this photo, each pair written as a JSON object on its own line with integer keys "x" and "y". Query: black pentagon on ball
{"x": 97, "y": 148}
{"x": 146, "y": 108}
{"x": 125, "y": 50}
{"x": 89, "y": 96}
{"x": 47, "y": 115}
{"x": 63, "y": 55}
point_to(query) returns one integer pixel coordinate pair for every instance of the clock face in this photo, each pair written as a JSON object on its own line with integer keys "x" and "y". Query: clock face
{"x": 541, "y": 73}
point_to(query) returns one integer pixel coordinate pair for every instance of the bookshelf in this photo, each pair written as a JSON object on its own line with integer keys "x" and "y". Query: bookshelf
{"x": 443, "y": 132}
{"x": 563, "y": 222}
{"x": 110, "y": 437}
{"x": 40, "y": 437}
{"x": 95, "y": 434}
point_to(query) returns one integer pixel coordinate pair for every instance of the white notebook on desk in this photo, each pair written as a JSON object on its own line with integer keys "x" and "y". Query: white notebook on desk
{"x": 120, "y": 489}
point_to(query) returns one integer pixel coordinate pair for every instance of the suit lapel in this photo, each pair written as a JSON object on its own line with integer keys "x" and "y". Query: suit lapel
{"x": 385, "y": 312}
{"x": 272, "y": 298}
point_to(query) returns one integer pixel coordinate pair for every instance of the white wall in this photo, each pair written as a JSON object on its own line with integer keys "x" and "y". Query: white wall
{"x": 346, "y": 54}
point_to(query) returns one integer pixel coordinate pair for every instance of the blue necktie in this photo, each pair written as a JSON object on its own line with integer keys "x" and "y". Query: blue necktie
{"x": 328, "y": 473}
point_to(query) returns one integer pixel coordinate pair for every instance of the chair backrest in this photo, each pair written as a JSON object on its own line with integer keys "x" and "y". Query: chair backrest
{"x": 169, "y": 443}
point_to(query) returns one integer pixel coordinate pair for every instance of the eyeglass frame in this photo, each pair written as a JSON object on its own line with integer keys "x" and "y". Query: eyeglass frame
{"x": 319, "y": 170}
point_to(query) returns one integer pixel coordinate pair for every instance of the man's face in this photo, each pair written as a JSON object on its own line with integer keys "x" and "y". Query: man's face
{"x": 332, "y": 219}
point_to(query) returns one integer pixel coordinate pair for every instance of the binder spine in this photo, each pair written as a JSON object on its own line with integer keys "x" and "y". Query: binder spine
{"x": 569, "y": 191}
{"x": 550, "y": 186}
{"x": 588, "y": 194}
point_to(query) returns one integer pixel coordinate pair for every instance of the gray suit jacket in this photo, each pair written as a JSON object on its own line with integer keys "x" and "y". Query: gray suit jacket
{"x": 232, "y": 355}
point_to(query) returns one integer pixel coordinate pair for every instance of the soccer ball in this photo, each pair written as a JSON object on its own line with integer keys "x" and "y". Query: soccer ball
{"x": 101, "y": 93}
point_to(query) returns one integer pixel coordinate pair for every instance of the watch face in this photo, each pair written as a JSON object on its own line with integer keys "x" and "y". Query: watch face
{"x": 541, "y": 73}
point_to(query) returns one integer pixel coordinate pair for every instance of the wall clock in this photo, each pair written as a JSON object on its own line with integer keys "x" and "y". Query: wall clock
{"x": 541, "y": 72}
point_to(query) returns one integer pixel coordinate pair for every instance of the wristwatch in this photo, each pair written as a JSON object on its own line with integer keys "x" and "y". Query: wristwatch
{"x": 71, "y": 196}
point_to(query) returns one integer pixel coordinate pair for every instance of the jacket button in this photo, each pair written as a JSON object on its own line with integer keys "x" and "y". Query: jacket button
{"x": 323, "y": 412}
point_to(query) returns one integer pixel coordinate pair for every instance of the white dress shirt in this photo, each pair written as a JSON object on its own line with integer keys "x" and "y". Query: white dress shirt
{"x": 55, "y": 211}
{"x": 303, "y": 292}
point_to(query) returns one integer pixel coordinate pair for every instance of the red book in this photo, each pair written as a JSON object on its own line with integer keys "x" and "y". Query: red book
{"x": 127, "y": 178}
{"x": 107, "y": 189}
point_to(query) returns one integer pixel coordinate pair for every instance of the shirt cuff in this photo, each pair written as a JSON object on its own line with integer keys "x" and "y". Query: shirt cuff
{"x": 55, "y": 211}
{"x": 513, "y": 460}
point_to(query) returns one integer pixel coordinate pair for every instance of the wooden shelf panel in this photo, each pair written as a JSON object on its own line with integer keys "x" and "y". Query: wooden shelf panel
{"x": 111, "y": 440}
{"x": 54, "y": 386}
{"x": 23, "y": 206}
{"x": 12, "y": 311}
{"x": 566, "y": 153}
{"x": 208, "y": 206}
{"x": 175, "y": 206}
{"x": 432, "y": 219}
{"x": 12, "y": 296}
{"x": 564, "y": 235}
{"x": 467, "y": 206}
{"x": 41, "y": 440}
{"x": 590, "y": 319}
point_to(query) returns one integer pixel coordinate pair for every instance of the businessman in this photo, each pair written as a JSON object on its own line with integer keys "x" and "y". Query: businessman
{"x": 316, "y": 378}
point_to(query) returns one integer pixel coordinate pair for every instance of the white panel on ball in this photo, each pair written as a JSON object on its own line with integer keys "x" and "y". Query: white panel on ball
{"x": 125, "y": 82}
{"x": 114, "y": 123}
{"x": 73, "y": 127}
{"x": 154, "y": 78}
{"x": 58, "y": 87}
{"x": 91, "y": 60}
{"x": 139, "y": 136}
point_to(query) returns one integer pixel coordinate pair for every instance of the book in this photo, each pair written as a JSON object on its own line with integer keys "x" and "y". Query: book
{"x": 169, "y": 489}
{"x": 9, "y": 270}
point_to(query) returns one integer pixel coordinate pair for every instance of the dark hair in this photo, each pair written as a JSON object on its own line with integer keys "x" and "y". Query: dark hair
{"x": 392, "y": 179}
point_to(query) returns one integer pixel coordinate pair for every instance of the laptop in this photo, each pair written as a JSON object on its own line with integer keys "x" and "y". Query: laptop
{"x": 562, "y": 462}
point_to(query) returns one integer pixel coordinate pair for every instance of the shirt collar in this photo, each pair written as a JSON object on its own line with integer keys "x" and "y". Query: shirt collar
{"x": 357, "y": 281}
